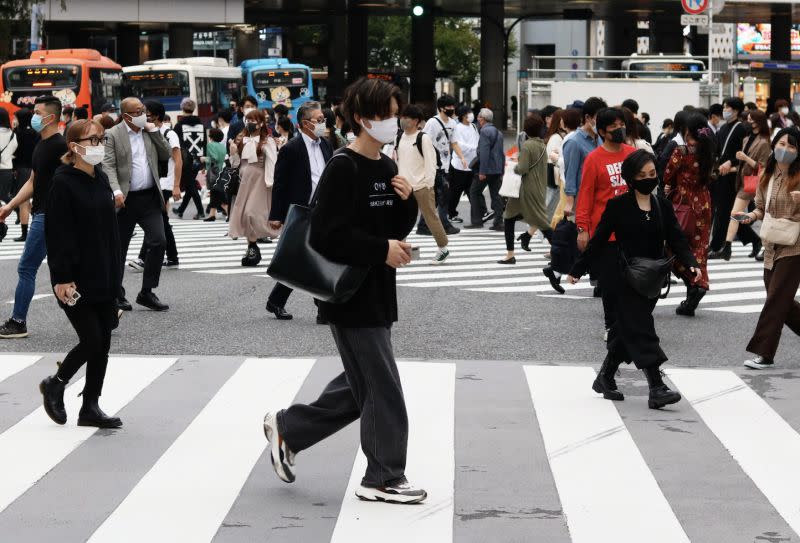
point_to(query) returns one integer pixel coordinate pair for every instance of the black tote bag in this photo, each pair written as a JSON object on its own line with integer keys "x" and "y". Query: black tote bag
{"x": 299, "y": 266}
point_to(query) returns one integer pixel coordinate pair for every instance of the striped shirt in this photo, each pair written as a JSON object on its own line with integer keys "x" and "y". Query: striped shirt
{"x": 781, "y": 206}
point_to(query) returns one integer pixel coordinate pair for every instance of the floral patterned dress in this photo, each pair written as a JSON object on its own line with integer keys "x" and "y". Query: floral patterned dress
{"x": 682, "y": 184}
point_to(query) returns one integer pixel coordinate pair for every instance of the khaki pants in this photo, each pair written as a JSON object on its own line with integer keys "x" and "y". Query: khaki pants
{"x": 426, "y": 201}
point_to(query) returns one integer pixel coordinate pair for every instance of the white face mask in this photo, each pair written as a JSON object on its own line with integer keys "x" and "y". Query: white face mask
{"x": 470, "y": 117}
{"x": 93, "y": 154}
{"x": 247, "y": 110}
{"x": 319, "y": 130}
{"x": 383, "y": 131}
{"x": 139, "y": 121}
{"x": 350, "y": 137}
{"x": 784, "y": 111}
{"x": 167, "y": 125}
{"x": 213, "y": 124}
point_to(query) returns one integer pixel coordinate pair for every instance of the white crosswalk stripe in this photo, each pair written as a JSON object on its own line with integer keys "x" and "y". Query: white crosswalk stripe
{"x": 472, "y": 266}
{"x": 606, "y": 482}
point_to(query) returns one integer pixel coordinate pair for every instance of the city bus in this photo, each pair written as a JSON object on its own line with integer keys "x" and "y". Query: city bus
{"x": 276, "y": 81}
{"x": 78, "y": 77}
{"x": 209, "y": 81}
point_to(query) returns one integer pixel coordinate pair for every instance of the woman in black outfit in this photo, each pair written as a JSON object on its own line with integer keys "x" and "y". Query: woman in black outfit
{"x": 27, "y": 138}
{"x": 83, "y": 251}
{"x": 642, "y": 224}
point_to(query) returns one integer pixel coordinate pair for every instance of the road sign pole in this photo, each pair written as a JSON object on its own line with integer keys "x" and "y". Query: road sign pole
{"x": 710, "y": 34}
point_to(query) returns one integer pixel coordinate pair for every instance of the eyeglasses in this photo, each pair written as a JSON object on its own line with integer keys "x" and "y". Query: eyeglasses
{"x": 94, "y": 140}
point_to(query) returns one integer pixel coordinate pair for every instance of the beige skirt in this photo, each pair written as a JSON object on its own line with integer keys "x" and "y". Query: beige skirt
{"x": 250, "y": 213}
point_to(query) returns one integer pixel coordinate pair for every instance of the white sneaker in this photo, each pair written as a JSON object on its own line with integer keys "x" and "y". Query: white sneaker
{"x": 280, "y": 454}
{"x": 441, "y": 256}
{"x": 136, "y": 265}
{"x": 402, "y": 493}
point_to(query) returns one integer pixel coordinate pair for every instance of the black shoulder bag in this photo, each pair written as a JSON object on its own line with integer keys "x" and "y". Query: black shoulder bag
{"x": 647, "y": 276}
{"x": 298, "y": 265}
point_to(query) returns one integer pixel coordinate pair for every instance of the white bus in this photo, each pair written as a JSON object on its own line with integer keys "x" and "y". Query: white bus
{"x": 208, "y": 81}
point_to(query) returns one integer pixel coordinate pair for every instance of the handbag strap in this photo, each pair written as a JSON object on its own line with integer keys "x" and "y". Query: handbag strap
{"x": 12, "y": 138}
{"x": 769, "y": 195}
{"x": 323, "y": 177}
{"x": 725, "y": 147}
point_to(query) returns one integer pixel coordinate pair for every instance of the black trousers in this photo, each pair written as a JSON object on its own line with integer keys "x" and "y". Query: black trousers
{"x": 632, "y": 335}
{"x": 172, "y": 248}
{"x": 144, "y": 208}
{"x": 478, "y": 202}
{"x": 723, "y": 195}
{"x": 93, "y": 321}
{"x": 280, "y": 295}
{"x": 460, "y": 183}
{"x": 369, "y": 389}
{"x": 191, "y": 194}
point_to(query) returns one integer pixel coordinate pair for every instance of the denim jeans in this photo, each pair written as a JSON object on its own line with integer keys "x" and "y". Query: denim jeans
{"x": 32, "y": 256}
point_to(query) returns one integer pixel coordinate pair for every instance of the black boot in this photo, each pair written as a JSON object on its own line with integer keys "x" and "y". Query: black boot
{"x": 525, "y": 241}
{"x": 660, "y": 394}
{"x": 693, "y": 297}
{"x": 91, "y": 414}
{"x": 24, "y": 235}
{"x": 605, "y": 383}
{"x": 253, "y": 255}
{"x": 722, "y": 254}
{"x": 756, "y": 248}
{"x": 52, "y": 389}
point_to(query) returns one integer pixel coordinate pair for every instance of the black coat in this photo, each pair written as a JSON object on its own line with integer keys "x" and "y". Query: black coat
{"x": 292, "y": 183}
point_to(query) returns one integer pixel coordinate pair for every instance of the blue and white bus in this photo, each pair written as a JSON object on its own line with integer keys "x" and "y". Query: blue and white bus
{"x": 276, "y": 81}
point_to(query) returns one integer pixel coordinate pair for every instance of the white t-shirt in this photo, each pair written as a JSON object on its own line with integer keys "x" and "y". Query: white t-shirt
{"x": 466, "y": 136}
{"x": 418, "y": 169}
{"x": 166, "y": 183}
{"x": 441, "y": 137}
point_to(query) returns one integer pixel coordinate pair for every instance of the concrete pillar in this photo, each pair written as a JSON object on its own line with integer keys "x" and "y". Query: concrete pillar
{"x": 423, "y": 62}
{"x": 357, "y": 47}
{"x": 780, "y": 85}
{"x": 668, "y": 33}
{"x": 78, "y": 39}
{"x": 246, "y": 46}
{"x": 155, "y": 44}
{"x": 128, "y": 46}
{"x": 493, "y": 59}
{"x": 337, "y": 35}
{"x": 181, "y": 41}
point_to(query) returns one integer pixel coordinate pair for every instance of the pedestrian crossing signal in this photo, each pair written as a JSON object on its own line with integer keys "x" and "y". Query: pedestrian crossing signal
{"x": 418, "y": 10}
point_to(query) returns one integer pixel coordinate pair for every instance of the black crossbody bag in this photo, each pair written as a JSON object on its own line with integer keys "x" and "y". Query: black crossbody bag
{"x": 647, "y": 276}
{"x": 299, "y": 266}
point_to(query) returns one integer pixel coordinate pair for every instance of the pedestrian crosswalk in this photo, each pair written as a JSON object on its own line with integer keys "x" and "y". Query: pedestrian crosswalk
{"x": 190, "y": 465}
{"x": 736, "y": 286}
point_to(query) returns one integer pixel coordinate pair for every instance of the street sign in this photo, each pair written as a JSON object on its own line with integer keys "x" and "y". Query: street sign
{"x": 694, "y": 7}
{"x": 694, "y": 20}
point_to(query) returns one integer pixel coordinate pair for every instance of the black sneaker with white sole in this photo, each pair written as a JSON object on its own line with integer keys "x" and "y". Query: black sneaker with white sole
{"x": 13, "y": 329}
{"x": 136, "y": 265}
{"x": 401, "y": 492}
{"x": 759, "y": 363}
{"x": 280, "y": 455}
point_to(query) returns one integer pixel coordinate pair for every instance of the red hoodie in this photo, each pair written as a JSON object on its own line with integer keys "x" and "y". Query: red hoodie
{"x": 601, "y": 180}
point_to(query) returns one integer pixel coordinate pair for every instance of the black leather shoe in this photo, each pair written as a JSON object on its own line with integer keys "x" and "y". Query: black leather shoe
{"x": 472, "y": 226}
{"x": 91, "y": 415}
{"x": 661, "y": 396}
{"x": 693, "y": 297}
{"x": 451, "y": 230}
{"x": 605, "y": 383}
{"x": 280, "y": 313}
{"x": 525, "y": 241}
{"x": 723, "y": 254}
{"x": 124, "y": 304}
{"x": 684, "y": 310}
{"x": 498, "y": 228}
{"x": 252, "y": 257}
{"x": 322, "y": 321}
{"x": 760, "y": 256}
{"x": 555, "y": 282}
{"x": 151, "y": 301}
{"x": 53, "y": 395}
{"x": 423, "y": 231}
{"x": 756, "y": 248}
{"x": 512, "y": 260}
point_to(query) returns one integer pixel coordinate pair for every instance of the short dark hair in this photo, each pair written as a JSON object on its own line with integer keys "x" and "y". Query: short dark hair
{"x": 463, "y": 111}
{"x": 631, "y": 104}
{"x": 286, "y": 124}
{"x": 547, "y": 111}
{"x": 5, "y": 120}
{"x": 751, "y": 105}
{"x": 634, "y": 164}
{"x": 23, "y": 116}
{"x": 51, "y": 103}
{"x": 734, "y": 102}
{"x": 592, "y": 106}
{"x": 608, "y": 116}
{"x": 412, "y": 111}
{"x": 226, "y": 115}
{"x": 534, "y": 125}
{"x": 216, "y": 135}
{"x": 281, "y": 109}
{"x": 667, "y": 123}
{"x": 715, "y": 109}
{"x": 645, "y": 118}
{"x": 80, "y": 113}
{"x": 369, "y": 98}
{"x": 249, "y": 98}
{"x": 444, "y": 101}
{"x": 154, "y": 107}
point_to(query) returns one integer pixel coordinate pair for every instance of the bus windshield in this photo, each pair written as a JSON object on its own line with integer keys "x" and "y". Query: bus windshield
{"x": 268, "y": 83}
{"x": 156, "y": 84}
{"x": 42, "y": 77}
{"x": 665, "y": 69}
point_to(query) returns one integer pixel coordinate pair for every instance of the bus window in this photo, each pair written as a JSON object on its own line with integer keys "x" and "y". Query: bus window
{"x": 105, "y": 87}
{"x": 43, "y": 77}
{"x": 228, "y": 90}
{"x": 167, "y": 86}
{"x": 665, "y": 69}
{"x": 281, "y": 86}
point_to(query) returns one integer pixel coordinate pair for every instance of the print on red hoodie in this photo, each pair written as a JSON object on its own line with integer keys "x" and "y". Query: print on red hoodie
{"x": 601, "y": 180}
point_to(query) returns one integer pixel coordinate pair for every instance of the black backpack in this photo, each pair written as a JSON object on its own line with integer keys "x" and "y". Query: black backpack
{"x": 418, "y": 145}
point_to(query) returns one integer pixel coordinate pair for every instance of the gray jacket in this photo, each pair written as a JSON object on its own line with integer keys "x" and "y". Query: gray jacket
{"x": 491, "y": 159}
{"x": 117, "y": 161}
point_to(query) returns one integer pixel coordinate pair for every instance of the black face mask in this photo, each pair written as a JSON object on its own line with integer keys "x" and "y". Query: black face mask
{"x": 450, "y": 112}
{"x": 617, "y": 135}
{"x": 646, "y": 185}
{"x": 252, "y": 127}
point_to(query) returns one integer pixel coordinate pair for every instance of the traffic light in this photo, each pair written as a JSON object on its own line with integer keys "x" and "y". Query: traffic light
{"x": 418, "y": 10}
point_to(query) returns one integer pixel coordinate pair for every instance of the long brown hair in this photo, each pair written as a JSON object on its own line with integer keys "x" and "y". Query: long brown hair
{"x": 76, "y": 132}
{"x": 760, "y": 118}
{"x": 794, "y": 168}
{"x": 555, "y": 125}
{"x": 259, "y": 117}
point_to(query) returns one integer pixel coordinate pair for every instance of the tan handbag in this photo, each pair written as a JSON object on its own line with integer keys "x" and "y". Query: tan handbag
{"x": 778, "y": 231}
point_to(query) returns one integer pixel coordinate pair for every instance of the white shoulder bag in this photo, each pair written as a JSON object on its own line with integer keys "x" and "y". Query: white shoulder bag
{"x": 512, "y": 181}
{"x": 778, "y": 231}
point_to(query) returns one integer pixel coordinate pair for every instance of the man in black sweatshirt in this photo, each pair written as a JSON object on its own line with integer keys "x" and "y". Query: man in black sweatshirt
{"x": 192, "y": 135}
{"x": 363, "y": 212}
